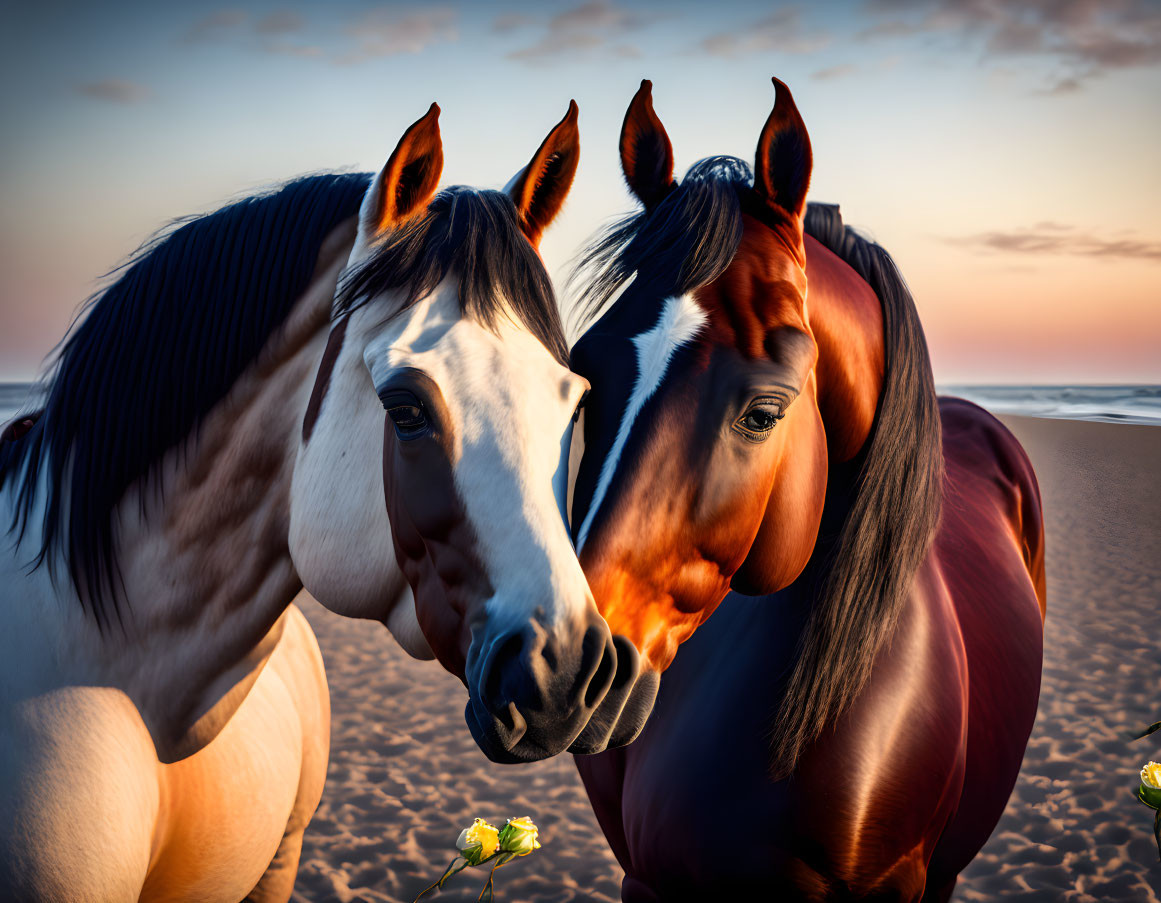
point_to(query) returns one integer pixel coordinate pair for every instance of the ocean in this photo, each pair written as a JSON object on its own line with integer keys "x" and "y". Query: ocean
{"x": 1115, "y": 404}
{"x": 1112, "y": 404}
{"x": 14, "y": 398}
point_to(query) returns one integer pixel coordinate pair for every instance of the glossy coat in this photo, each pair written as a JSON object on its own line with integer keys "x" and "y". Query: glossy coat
{"x": 912, "y": 743}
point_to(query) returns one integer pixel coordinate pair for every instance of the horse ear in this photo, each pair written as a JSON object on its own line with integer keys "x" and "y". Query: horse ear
{"x": 539, "y": 189}
{"x": 408, "y": 180}
{"x": 784, "y": 160}
{"x": 646, "y": 154}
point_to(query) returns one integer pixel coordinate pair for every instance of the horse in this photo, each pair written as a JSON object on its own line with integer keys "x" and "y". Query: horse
{"x": 763, "y": 443}
{"x": 164, "y": 719}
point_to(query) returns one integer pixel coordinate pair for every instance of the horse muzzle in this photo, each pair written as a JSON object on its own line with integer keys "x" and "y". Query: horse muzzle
{"x": 537, "y": 691}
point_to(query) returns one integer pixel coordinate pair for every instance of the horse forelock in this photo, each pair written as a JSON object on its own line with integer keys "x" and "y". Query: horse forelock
{"x": 474, "y": 236}
{"x": 154, "y": 352}
{"x": 685, "y": 242}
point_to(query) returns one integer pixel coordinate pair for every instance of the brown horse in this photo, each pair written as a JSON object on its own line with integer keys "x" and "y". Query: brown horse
{"x": 855, "y": 732}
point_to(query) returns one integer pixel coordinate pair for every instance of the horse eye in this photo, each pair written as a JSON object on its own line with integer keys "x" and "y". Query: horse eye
{"x": 407, "y": 415}
{"x": 758, "y": 422}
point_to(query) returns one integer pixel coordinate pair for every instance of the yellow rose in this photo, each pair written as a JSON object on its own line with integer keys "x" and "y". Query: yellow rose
{"x": 1150, "y": 790}
{"x": 518, "y": 837}
{"x": 478, "y": 842}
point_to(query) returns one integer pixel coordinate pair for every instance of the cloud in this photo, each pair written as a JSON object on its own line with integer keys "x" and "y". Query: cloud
{"x": 508, "y": 22}
{"x": 285, "y": 48}
{"x": 1067, "y": 85}
{"x": 1058, "y": 239}
{"x": 582, "y": 30}
{"x": 214, "y": 27}
{"x": 114, "y": 90}
{"x": 555, "y": 44}
{"x": 1088, "y": 37}
{"x": 279, "y": 22}
{"x": 831, "y": 72}
{"x": 780, "y": 32}
{"x": 383, "y": 32}
{"x": 596, "y": 14}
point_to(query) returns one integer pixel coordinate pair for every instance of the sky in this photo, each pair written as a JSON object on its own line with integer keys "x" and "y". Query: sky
{"x": 1007, "y": 155}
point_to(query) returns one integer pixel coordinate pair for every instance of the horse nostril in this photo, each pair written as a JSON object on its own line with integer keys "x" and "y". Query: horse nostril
{"x": 493, "y": 694}
{"x": 594, "y": 693}
{"x": 628, "y": 662}
{"x": 504, "y": 716}
{"x": 597, "y": 643}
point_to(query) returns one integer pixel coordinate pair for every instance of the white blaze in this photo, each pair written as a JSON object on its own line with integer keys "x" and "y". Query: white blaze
{"x": 680, "y": 321}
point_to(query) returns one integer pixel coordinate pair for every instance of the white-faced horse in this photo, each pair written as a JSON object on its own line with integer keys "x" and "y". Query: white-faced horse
{"x": 164, "y": 721}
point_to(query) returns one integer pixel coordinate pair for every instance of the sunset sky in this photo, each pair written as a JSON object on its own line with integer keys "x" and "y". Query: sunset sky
{"x": 1008, "y": 155}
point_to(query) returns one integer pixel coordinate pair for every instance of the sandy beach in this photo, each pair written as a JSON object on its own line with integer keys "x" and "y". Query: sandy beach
{"x": 405, "y": 775}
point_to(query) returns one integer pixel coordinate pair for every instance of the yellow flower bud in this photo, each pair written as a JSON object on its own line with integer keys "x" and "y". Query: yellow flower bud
{"x": 478, "y": 842}
{"x": 1149, "y": 792}
{"x": 518, "y": 837}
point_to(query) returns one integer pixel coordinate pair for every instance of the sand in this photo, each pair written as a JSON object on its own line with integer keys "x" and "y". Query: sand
{"x": 405, "y": 775}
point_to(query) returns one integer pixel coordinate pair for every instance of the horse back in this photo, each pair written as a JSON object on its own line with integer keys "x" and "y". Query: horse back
{"x": 990, "y": 550}
{"x": 991, "y": 488}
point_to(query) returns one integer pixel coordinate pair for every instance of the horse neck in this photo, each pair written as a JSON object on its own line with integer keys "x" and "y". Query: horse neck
{"x": 846, "y": 318}
{"x": 202, "y": 542}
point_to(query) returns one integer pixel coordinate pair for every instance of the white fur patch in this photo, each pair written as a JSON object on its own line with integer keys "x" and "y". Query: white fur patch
{"x": 680, "y": 321}
{"x": 511, "y": 404}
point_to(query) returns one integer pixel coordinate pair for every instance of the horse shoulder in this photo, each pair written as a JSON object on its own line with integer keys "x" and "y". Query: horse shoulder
{"x": 80, "y": 796}
{"x": 299, "y": 663}
{"x": 75, "y": 756}
{"x": 226, "y": 809}
{"x": 871, "y": 798}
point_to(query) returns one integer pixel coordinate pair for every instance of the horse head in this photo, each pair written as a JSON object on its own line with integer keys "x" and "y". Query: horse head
{"x": 445, "y": 392}
{"x": 740, "y": 429}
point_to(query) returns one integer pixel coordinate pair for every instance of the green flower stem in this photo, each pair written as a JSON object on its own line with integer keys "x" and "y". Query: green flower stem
{"x": 448, "y": 872}
{"x": 486, "y": 895}
{"x": 502, "y": 859}
{"x": 499, "y": 859}
{"x": 1150, "y": 800}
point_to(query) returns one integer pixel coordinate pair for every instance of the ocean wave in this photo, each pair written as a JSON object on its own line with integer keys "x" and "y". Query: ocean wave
{"x": 1113, "y": 404}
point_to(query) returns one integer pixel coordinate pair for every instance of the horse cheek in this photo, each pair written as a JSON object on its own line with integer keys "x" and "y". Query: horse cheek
{"x": 789, "y": 528}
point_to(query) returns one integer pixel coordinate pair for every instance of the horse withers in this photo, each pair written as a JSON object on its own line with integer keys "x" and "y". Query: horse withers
{"x": 164, "y": 715}
{"x": 850, "y": 721}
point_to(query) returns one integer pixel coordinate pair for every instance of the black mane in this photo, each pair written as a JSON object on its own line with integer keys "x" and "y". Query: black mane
{"x": 160, "y": 347}
{"x": 477, "y": 235}
{"x": 686, "y": 241}
{"x": 885, "y": 506}
{"x": 889, "y": 500}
